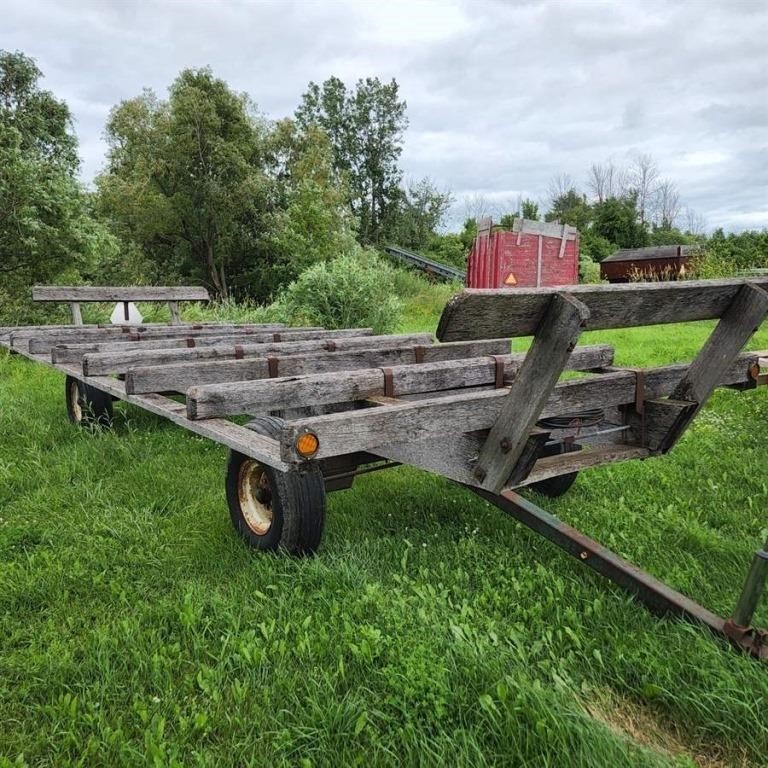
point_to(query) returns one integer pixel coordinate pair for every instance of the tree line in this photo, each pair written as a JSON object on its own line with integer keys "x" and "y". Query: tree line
{"x": 200, "y": 187}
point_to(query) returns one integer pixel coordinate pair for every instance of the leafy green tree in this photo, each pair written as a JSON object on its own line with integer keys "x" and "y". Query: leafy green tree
{"x": 595, "y": 247}
{"x": 449, "y": 249}
{"x": 570, "y": 207}
{"x": 365, "y": 127}
{"x": 616, "y": 219}
{"x": 530, "y": 209}
{"x": 422, "y": 210}
{"x": 185, "y": 178}
{"x": 311, "y": 221}
{"x": 42, "y": 121}
{"x": 46, "y": 229}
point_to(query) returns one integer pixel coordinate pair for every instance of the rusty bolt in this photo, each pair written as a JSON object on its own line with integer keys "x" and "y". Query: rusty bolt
{"x": 480, "y": 474}
{"x": 505, "y": 445}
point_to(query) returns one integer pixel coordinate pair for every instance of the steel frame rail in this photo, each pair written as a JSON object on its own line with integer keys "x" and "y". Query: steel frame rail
{"x": 654, "y": 594}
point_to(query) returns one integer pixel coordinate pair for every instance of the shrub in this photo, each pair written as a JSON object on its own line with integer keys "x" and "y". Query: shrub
{"x": 347, "y": 292}
{"x": 589, "y": 271}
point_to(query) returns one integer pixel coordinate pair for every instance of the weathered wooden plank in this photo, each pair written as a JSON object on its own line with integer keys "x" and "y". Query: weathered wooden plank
{"x": 181, "y": 376}
{"x": 587, "y": 458}
{"x": 552, "y": 345}
{"x": 87, "y": 333}
{"x": 737, "y": 325}
{"x": 662, "y": 424}
{"x": 118, "y": 293}
{"x": 447, "y": 417}
{"x": 481, "y": 313}
{"x": 108, "y": 362}
{"x": 345, "y": 385}
{"x": 71, "y": 353}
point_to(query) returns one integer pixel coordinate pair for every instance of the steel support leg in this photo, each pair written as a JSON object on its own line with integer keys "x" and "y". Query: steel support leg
{"x": 659, "y": 597}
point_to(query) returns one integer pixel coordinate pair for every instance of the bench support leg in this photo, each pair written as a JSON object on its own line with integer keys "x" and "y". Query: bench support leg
{"x": 656, "y": 595}
{"x": 77, "y": 317}
{"x": 173, "y": 308}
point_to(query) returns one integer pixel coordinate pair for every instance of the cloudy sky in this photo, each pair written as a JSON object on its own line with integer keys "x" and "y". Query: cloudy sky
{"x": 502, "y": 96}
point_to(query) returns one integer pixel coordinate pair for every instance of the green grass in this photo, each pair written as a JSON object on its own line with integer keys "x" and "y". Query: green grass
{"x": 137, "y": 629}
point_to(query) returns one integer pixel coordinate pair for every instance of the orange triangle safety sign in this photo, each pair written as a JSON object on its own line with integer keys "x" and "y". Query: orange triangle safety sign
{"x": 510, "y": 279}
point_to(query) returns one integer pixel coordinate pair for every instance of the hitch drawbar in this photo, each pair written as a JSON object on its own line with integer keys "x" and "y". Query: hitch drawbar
{"x": 656, "y": 595}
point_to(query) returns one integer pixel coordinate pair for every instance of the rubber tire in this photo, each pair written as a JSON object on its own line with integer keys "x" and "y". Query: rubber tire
{"x": 298, "y": 501}
{"x": 553, "y": 487}
{"x": 96, "y": 405}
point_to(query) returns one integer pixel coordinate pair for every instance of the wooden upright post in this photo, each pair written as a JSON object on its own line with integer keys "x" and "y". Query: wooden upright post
{"x": 173, "y": 308}
{"x": 556, "y": 336}
{"x": 77, "y": 317}
{"x": 664, "y": 421}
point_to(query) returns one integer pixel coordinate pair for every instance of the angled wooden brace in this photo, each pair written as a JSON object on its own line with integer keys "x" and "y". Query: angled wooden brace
{"x": 664, "y": 421}
{"x": 555, "y": 337}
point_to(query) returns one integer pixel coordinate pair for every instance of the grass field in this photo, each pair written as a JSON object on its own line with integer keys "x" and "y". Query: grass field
{"x": 137, "y": 629}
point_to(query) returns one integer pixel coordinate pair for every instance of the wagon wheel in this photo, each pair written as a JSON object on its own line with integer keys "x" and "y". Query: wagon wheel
{"x": 271, "y": 509}
{"x": 557, "y": 486}
{"x": 86, "y": 405}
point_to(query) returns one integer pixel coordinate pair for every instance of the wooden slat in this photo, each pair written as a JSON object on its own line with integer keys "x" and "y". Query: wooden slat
{"x": 99, "y": 364}
{"x": 587, "y": 458}
{"x": 86, "y": 334}
{"x": 345, "y": 385}
{"x": 446, "y": 417}
{"x": 481, "y": 313}
{"x": 555, "y": 337}
{"x": 118, "y": 293}
{"x": 70, "y": 353}
{"x": 180, "y": 377}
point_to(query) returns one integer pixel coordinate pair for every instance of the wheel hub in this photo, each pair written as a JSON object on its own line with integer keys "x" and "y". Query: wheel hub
{"x": 255, "y": 497}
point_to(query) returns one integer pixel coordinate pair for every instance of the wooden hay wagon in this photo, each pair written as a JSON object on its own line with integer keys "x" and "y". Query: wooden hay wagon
{"x": 330, "y": 405}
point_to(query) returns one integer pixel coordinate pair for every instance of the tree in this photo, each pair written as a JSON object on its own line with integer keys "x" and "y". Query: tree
{"x": 667, "y": 204}
{"x": 42, "y": 121}
{"x": 616, "y": 220}
{"x": 476, "y": 207}
{"x": 311, "y": 221}
{"x": 529, "y": 209}
{"x": 643, "y": 175}
{"x": 365, "y": 127}
{"x": 45, "y": 223}
{"x": 570, "y": 207}
{"x": 185, "y": 177}
{"x": 422, "y": 210}
{"x": 606, "y": 180}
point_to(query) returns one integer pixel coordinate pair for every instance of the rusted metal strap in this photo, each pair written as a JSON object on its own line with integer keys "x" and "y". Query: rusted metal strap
{"x": 389, "y": 387}
{"x": 276, "y": 337}
{"x": 330, "y": 346}
{"x": 190, "y": 342}
{"x": 418, "y": 353}
{"x": 498, "y": 362}
{"x": 134, "y": 337}
{"x": 639, "y": 390}
{"x": 239, "y": 352}
{"x": 273, "y": 364}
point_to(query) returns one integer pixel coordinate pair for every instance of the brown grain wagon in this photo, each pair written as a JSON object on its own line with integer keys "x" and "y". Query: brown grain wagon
{"x": 663, "y": 262}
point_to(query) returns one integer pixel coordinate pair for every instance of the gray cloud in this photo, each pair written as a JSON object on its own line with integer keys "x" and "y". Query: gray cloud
{"x": 502, "y": 96}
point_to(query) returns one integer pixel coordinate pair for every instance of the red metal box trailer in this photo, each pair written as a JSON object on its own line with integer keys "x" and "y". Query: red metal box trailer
{"x": 531, "y": 254}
